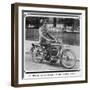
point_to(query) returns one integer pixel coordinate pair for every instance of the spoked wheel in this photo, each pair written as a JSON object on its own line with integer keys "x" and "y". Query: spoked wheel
{"x": 37, "y": 55}
{"x": 68, "y": 59}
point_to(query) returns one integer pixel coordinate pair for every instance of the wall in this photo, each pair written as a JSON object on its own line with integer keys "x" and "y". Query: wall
{"x": 5, "y": 45}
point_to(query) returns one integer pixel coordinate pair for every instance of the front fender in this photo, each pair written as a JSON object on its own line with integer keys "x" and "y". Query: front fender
{"x": 68, "y": 49}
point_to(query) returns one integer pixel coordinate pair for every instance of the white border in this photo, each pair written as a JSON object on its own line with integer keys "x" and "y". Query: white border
{"x": 82, "y": 46}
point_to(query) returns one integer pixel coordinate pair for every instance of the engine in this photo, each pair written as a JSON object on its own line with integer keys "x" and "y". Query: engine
{"x": 53, "y": 51}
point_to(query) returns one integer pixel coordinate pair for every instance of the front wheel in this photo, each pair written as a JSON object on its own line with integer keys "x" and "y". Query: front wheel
{"x": 68, "y": 59}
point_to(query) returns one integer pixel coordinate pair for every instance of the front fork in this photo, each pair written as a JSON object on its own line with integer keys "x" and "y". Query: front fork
{"x": 60, "y": 54}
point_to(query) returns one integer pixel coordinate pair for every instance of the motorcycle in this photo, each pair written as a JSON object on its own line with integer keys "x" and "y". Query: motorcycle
{"x": 55, "y": 52}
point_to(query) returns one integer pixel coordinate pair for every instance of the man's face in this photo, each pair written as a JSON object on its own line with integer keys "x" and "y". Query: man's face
{"x": 45, "y": 23}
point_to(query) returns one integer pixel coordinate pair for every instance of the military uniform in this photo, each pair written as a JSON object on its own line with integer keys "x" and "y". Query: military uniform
{"x": 44, "y": 35}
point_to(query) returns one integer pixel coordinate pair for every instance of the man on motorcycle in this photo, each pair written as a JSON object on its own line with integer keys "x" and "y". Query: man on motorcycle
{"x": 45, "y": 37}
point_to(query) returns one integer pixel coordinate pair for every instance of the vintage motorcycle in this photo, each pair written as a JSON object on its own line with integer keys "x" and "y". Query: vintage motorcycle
{"x": 55, "y": 52}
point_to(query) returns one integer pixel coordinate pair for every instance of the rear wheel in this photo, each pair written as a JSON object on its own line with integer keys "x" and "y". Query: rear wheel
{"x": 68, "y": 59}
{"x": 37, "y": 55}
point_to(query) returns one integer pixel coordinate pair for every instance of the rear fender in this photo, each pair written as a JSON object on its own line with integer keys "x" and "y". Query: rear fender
{"x": 33, "y": 47}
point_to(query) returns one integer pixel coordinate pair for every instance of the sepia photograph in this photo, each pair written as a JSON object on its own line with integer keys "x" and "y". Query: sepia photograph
{"x": 52, "y": 43}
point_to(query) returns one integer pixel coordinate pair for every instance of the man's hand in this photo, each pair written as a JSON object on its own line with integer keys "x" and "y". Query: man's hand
{"x": 53, "y": 41}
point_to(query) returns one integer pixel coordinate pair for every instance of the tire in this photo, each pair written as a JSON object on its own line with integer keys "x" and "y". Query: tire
{"x": 68, "y": 59}
{"x": 37, "y": 55}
